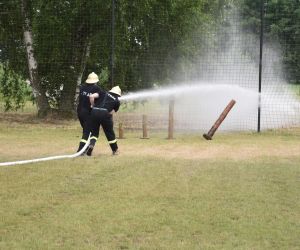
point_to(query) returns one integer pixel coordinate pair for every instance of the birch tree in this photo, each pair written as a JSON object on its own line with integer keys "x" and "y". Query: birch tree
{"x": 38, "y": 91}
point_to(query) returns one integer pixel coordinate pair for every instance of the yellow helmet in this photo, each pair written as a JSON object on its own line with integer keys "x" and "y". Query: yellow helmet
{"x": 92, "y": 78}
{"x": 116, "y": 90}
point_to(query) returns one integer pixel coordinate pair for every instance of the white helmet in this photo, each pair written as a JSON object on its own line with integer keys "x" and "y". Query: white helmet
{"x": 116, "y": 90}
{"x": 92, "y": 78}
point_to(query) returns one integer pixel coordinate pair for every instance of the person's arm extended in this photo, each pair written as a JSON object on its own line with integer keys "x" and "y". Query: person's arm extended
{"x": 92, "y": 98}
{"x": 116, "y": 107}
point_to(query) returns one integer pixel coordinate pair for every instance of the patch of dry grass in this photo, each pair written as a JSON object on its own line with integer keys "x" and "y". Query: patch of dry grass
{"x": 27, "y": 138}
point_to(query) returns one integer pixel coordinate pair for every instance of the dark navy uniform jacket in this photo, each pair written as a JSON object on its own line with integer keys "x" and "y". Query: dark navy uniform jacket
{"x": 108, "y": 101}
{"x": 85, "y": 91}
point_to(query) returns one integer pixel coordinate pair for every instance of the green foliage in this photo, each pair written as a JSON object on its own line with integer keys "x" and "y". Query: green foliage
{"x": 282, "y": 24}
{"x": 296, "y": 89}
{"x": 13, "y": 89}
{"x": 62, "y": 31}
{"x": 158, "y": 35}
{"x": 104, "y": 78}
{"x": 144, "y": 33}
{"x": 12, "y": 50}
{"x": 155, "y": 40}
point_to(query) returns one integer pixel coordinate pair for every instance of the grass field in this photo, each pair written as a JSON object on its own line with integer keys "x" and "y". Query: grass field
{"x": 239, "y": 191}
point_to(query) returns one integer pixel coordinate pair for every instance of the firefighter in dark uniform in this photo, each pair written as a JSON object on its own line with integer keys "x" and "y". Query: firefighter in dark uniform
{"x": 104, "y": 104}
{"x": 84, "y": 106}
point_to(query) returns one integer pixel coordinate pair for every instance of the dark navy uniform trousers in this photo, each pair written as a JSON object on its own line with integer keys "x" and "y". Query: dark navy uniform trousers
{"x": 101, "y": 117}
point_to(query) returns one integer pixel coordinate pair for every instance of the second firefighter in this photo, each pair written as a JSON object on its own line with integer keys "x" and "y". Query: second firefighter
{"x": 103, "y": 105}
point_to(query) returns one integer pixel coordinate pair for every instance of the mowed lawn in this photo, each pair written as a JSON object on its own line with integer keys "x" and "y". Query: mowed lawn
{"x": 238, "y": 191}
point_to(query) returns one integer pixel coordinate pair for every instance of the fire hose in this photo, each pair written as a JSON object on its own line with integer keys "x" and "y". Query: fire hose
{"x": 47, "y": 158}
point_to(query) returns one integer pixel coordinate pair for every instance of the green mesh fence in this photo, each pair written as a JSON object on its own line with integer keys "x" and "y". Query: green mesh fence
{"x": 201, "y": 54}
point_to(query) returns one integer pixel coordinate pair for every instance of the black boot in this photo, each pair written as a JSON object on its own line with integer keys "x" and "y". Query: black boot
{"x": 81, "y": 145}
{"x": 90, "y": 150}
{"x": 115, "y": 152}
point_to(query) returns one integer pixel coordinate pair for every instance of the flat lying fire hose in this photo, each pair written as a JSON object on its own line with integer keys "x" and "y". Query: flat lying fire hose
{"x": 47, "y": 158}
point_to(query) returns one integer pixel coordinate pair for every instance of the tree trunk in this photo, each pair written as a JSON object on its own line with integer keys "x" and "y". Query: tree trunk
{"x": 38, "y": 91}
{"x": 78, "y": 59}
{"x": 80, "y": 73}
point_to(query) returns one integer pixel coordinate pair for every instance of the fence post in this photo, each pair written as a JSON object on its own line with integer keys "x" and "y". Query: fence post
{"x": 171, "y": 120}
{"x": 121, "y": 131}
{"x": 221, "y": 118}
{"x": 144, "y": 124}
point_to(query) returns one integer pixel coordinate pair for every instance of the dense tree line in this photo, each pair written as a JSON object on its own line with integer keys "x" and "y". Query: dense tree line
{"x": 55, "y": 44}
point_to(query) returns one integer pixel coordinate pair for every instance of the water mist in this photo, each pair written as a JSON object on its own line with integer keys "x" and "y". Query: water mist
{"x": 225, "y": 74}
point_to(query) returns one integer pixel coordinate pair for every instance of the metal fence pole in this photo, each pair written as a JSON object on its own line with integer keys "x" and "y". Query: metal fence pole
{"x": 112, "y": 55}
{"x": 260, "y": 62}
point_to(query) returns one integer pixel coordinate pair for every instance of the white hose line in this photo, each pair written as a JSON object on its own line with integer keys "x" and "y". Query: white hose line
{"x": 47, "y": 158}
